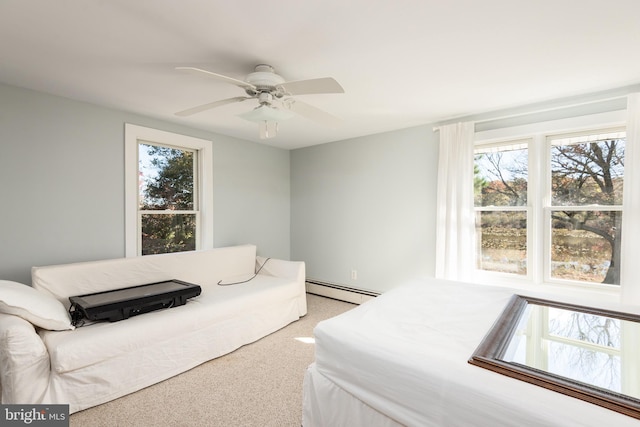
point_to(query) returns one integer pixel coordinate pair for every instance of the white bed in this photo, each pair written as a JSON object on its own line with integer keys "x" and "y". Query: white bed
{"x": 402, "y": 359}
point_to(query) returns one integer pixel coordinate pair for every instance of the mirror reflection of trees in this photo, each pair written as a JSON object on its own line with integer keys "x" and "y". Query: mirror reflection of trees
{"x": 585, "y": 347}
{"x": 581, "y": 351}
{"x": 170, "y": 190}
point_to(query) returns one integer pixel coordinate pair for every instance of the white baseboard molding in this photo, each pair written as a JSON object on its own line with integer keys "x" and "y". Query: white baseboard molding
{"x": 339, "y": 292}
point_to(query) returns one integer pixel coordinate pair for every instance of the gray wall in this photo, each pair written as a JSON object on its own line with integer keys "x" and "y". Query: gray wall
{"x": 369, "y": 203}
{"x": 366, "y": 204}
{"x": 62, "y": 175}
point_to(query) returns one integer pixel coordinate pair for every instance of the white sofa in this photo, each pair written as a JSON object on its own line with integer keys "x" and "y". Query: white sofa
{"x": 44, "y": 359}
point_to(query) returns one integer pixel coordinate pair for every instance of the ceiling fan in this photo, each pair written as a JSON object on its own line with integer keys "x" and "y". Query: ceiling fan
{"x": 275, "y": 98}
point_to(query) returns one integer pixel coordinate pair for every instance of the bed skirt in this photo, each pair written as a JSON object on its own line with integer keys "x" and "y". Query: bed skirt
{"x": 345, "y": 410}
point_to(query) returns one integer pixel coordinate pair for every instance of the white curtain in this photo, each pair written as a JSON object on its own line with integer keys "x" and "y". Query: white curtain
{"x": 455, "y": 233}
{"x": 629, "y": 276}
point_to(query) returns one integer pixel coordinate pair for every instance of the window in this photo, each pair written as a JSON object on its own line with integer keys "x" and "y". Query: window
{"x": 168, "y": 192}
{"x": 168, "y": 202}
{"x": 585, "y": 213}
{"x": 500, "y": 200}
{"x": 549, "y": 208}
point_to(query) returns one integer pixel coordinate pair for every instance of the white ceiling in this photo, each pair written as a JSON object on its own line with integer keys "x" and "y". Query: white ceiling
{"x": 402, "y": 63}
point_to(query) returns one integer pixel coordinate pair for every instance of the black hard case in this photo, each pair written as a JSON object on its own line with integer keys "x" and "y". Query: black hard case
{"x": 119, "y": 304}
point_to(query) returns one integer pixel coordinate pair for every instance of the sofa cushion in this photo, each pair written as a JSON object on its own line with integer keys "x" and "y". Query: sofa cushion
{"x": 42, "y": 310}
{"x": 221, "y": 305}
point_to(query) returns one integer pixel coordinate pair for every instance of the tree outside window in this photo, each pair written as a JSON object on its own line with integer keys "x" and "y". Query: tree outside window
{"x": 500, "y": 198}
{"x": 167, "y": 202}
{"x": 587, "y": 173}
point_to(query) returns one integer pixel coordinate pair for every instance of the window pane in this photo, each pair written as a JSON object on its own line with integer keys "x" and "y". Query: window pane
{"x": 500, "y": 176}
{"x": 502, "y": 241}
{"x": 585, "y": 246}
{"x": 587, "y": 170}
{"x": 162, "y": 233}
{"x": 166, "y": 178}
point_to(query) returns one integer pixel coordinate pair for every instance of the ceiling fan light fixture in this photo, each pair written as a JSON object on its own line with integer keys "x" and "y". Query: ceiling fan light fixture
{"x": 268, "y": 130}
{"x": 265, "y": 113}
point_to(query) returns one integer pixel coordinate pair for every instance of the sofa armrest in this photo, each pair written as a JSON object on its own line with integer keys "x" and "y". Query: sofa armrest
{"x": 294, "y": 270}
{"x": 24, "y": 361}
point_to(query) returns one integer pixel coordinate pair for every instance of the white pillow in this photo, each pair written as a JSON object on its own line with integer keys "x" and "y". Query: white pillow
{"x": 40, "y": 309}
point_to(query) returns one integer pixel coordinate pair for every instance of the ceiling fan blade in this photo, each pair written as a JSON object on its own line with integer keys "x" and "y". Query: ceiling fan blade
{"x": 198, "y": 71}
{"x": 312, "y": 113}
{"x": 312, "y": 86}
{"x": 210, "y": 105}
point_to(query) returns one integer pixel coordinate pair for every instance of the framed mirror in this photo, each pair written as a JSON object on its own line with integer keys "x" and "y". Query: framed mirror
{"x": 587, "y": 353}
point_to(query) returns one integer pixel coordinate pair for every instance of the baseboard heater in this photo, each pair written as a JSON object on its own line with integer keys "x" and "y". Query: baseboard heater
{"x": 339, "y": 292}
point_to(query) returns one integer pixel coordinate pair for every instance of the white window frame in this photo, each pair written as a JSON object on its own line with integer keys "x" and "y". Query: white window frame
{"x": 529, "y": 211}
{"x": 538, "y": 198}
{"x": 134, "y": 135}
{"x": 548, "y": 207}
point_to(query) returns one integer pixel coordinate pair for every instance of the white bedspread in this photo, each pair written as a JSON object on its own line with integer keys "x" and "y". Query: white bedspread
{"x": 405, "y": 354}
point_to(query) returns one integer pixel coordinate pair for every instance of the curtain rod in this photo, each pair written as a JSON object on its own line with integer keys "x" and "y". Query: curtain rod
{"x": 541, "y": 110}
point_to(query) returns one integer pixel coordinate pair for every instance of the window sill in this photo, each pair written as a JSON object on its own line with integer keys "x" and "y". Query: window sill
{"x": 580, "y": 293}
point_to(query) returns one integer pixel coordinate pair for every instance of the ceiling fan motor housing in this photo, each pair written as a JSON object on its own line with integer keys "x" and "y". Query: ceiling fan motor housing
{"x": 265, "y": 79}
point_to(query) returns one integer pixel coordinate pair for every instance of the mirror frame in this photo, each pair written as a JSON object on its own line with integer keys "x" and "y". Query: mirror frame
{"x": 489, "y": 355}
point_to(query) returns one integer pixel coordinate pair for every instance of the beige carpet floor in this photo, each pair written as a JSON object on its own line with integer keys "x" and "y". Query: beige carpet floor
{"x": 259, "y": 384}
